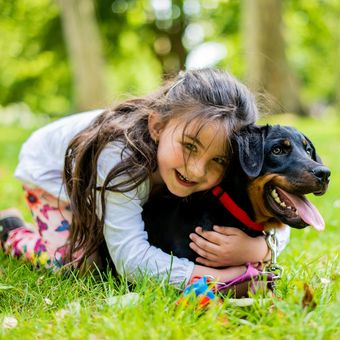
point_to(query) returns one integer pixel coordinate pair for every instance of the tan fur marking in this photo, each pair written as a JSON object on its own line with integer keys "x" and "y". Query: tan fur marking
{"x": 287, "y": 142}
{"x": 256, "y": 196}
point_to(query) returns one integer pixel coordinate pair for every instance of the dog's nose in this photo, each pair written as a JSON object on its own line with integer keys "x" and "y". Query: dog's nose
{"x": 322, "y": 173}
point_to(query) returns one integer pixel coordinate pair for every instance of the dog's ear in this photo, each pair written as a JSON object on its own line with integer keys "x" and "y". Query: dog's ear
{"x": 314, "y": 155}
{"x": 250, "y": 145}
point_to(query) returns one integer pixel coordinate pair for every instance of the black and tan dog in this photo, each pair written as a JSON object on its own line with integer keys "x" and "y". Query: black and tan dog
{"x": 272, "y": 169}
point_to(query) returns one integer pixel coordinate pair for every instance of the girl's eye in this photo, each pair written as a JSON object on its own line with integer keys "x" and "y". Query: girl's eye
{"x": 221, "y": 161}
{"x": 277, "y": 150}
{"x": 190, "y": 147}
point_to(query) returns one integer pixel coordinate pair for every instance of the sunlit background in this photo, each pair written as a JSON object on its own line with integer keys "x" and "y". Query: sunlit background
{"x": 62, "y": 56}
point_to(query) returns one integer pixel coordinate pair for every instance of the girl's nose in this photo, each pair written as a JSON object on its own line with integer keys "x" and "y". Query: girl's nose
{"x": 197, "y": 168}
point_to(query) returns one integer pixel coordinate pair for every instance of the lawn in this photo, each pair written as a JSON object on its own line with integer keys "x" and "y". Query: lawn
{"x": 46, "y": 305}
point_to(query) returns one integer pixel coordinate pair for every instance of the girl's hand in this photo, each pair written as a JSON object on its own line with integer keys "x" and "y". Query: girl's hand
{"x": 227, "y": 246}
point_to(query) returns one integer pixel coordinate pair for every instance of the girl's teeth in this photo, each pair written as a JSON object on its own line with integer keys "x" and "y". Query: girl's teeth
{"x": 182, "y": 178}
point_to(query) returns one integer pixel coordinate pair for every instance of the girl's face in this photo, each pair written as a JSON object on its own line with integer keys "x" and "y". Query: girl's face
{"x": 189, "y": 162}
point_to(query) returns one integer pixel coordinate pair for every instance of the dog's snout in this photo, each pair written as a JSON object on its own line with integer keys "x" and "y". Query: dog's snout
{"x": 322, "y": 173}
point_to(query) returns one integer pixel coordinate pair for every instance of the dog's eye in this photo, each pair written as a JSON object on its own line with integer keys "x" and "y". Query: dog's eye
{"x": 308, "y": 150}
{"x": 277, "y": 150}
{"x": 309, "y": 153}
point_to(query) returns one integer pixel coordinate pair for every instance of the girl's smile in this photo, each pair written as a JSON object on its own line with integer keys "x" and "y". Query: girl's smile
{"x": 183, "y": 180}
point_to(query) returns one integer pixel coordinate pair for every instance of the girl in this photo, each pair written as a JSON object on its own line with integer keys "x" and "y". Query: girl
{"x": 87, "y": 176}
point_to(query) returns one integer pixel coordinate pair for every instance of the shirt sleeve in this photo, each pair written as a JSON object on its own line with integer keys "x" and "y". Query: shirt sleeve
{"x": 283, "y": 236}
{"x": 124, "y": 233}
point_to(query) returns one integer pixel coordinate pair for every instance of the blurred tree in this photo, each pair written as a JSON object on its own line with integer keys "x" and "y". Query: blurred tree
{"x": 85, "y": 54}
{"x": 143, "y": 40}
{"x": 168, "y": 30}
{"x": 33, "y": 60}
{"x": 312, "y": 30}
{"x": 132, "y": 66}
{"x": 267, "y": 67}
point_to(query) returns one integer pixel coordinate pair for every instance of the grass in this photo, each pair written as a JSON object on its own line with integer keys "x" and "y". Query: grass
{"x": 55, "y": 306}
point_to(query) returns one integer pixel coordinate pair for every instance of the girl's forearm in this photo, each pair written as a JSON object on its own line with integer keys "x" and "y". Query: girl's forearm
{"x": 263, "y": 250}
{"x": 223, "y": 275}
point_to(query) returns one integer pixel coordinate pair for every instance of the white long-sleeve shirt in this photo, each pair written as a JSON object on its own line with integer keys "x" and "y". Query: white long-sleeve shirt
{"x": 41, "y": 163}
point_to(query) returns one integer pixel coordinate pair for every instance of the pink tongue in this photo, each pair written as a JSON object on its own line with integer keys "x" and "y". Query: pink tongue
{"x": 307, "y": 211}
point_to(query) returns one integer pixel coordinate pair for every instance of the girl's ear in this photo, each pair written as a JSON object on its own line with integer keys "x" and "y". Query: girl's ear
{"x": 155, "y": 126}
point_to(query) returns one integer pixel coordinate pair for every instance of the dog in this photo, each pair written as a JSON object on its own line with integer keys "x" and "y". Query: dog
{"x": 271, "y": 170}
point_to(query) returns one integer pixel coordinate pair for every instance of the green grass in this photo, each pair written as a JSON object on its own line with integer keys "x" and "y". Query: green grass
{"x": 54, "y": 306}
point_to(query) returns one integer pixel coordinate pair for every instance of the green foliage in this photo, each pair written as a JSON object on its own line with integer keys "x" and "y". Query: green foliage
{"x": 11, "y": 140}
{"x": 34, "y": 68}
{"x": 312, "y": 37}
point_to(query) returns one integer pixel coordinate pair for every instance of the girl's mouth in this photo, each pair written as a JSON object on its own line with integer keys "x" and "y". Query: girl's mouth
{"x": 183, "y": 180}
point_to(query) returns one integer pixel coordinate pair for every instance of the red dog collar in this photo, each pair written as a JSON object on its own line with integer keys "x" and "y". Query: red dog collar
{"x": 235, "y": 210}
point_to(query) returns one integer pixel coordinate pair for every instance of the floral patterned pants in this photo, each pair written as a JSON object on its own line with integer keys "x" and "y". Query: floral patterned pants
{"x": 43, "y": 243}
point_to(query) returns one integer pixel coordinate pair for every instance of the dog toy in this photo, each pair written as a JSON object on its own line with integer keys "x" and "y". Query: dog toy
{"x": 201, "y": 290}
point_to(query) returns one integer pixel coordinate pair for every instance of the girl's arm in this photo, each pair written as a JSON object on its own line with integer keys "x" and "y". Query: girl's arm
{"x": 222, "y": 275}
{"x": 133, "y": 255}
{"x": 227, "y": 246}
{"x": 124, "y": 233}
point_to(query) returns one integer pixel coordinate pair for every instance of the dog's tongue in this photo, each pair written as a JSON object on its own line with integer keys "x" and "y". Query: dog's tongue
{"x": 307, "y": 211}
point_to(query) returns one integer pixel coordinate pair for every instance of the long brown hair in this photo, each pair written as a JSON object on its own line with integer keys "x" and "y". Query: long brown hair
{"x": 206, "y": 94}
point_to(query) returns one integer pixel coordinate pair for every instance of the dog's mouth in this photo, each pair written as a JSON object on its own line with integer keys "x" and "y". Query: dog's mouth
{"x": 294, "y": 210}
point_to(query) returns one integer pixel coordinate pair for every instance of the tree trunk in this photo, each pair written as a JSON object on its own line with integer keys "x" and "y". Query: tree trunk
{"x": 173, "y": 59}
{"x": 82, "y": 39}
{"x": 267, "y": 68}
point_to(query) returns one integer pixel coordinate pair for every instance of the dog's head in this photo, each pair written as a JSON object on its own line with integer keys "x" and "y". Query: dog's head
{"x": 283, "y": 166}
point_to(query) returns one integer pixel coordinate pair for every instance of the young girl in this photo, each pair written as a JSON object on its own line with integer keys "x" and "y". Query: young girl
{"x": 87, "y": 176}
